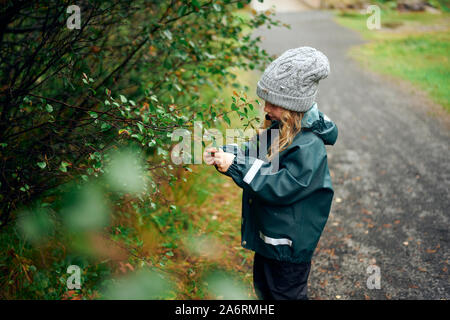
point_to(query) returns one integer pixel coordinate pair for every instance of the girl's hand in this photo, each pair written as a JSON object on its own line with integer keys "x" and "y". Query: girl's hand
{"x": 208, "y": 155}
{"x": 223, "y": 160}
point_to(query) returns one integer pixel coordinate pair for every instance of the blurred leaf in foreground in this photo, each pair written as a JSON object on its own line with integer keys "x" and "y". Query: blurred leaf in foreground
{"x": 125, "y": 173}
{"x": 141, "y": 285}
{"x": 35, "y": 225}
{"x": 203, "y": 246}
{"x": 86, "y": 209}
{"x": 224, "y": 286}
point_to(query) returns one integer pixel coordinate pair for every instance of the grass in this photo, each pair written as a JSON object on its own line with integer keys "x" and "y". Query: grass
{"x": 409, "y": 46}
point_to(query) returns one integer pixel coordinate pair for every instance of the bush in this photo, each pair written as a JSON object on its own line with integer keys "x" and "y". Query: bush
{"x": 132, "y": 72}
{"x": 86, "y": 117}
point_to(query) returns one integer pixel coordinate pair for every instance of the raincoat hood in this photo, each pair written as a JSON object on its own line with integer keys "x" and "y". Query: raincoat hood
{"x": 317, "y": 122}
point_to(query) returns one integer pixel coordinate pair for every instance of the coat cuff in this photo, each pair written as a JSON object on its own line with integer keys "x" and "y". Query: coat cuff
{"x": 234, "y": 171}
{"x": 244, "y": 172}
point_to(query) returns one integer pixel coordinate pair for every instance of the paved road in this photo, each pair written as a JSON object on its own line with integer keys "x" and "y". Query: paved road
{"x": 391, "y": 174}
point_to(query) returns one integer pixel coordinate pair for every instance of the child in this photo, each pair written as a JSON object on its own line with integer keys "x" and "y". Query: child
{"x": 285, "y": 206}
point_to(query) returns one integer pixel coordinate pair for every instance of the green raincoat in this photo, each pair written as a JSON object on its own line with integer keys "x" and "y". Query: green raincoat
{"x": 285, "y": 205}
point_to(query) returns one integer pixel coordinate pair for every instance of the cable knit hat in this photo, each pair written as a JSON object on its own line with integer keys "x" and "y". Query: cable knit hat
{"x": 291, "y": 81}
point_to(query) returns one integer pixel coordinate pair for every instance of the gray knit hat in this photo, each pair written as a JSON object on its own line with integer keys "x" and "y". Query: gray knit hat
{"x": 291, "y": 81}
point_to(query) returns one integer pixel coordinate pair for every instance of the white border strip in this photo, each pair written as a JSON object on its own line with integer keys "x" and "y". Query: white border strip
{"x": 275, "y": 242}
{"x": 253, "y": 170}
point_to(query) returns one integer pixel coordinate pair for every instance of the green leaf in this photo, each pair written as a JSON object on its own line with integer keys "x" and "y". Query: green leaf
{"x": 138, "y": 137}
{"x": 227, "y": 120}
{"x": 199, "y": 115}
{"x": 141, "y": 127}
{"x": 182, "y": 10}
{"x": 105, "y": 126}
{"x": 123, "y": 99}
{"x": 63, "y": 166}
{"x": 49, "y": 108}
{"x": 93, "y": 114}
{"x": 42, "y": 165}
{"x": 169, "y": 253}
{"x": 167, "y": 34}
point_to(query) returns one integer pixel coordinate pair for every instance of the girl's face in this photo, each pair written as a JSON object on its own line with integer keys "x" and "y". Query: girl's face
{"x": 273, "y": 111}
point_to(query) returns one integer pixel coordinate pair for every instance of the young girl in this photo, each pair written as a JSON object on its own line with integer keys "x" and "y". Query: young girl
{"x": 287, "y": 189}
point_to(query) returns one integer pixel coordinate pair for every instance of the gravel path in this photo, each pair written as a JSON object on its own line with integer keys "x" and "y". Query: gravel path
{"x": 391, "y": 174}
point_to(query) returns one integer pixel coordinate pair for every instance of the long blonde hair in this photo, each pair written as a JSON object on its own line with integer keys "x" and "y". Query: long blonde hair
{"x": 290, "y": 126}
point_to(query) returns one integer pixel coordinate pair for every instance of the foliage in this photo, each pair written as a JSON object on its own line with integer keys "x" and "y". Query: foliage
{"x": 86, "y": 118}
{"x": 134, "y": 71}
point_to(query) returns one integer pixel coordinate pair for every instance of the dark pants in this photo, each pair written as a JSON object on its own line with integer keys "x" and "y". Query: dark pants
{"x": 276, "y": 280}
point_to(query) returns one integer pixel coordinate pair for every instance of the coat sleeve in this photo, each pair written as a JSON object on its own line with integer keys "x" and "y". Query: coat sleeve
{"x": 300, "y": 173}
